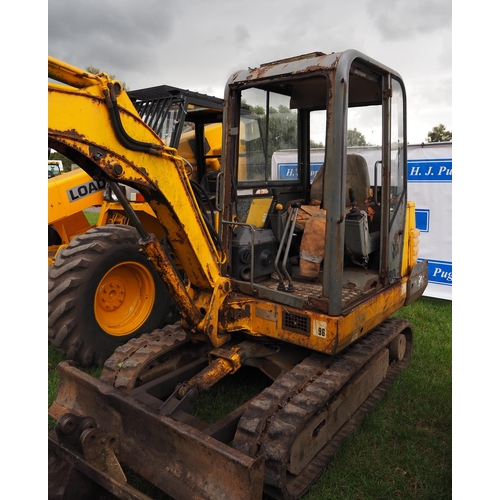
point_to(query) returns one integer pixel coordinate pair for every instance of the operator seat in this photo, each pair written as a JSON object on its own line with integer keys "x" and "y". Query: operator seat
{"x": 359, "y": 242}
{"x": 357, "y": 178}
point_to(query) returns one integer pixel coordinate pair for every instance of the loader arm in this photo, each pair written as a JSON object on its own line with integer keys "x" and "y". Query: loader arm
{"x": 113, "y": 143}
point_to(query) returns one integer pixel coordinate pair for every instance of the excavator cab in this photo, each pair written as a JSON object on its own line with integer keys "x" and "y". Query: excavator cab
{"x": 349, "y": 217}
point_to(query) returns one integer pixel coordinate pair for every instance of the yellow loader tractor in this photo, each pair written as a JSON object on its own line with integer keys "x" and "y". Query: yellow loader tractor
{"x": 286, "y": 270}
{"x": 114, "y": 293}
{"x": 70, "y": 194}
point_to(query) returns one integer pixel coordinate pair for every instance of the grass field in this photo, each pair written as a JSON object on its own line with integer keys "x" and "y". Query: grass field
{"x": 403, "y": 449}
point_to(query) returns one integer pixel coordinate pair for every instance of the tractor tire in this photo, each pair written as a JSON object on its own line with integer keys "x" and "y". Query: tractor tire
{"x": 102, "y": 293}
{"x": 54, "y": 238}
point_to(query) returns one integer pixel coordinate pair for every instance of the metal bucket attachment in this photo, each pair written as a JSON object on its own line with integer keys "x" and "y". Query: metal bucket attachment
{"x": 172, "y": 455}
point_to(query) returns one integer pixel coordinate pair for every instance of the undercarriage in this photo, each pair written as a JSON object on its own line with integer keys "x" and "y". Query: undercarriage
{"x": 279, "y": 442}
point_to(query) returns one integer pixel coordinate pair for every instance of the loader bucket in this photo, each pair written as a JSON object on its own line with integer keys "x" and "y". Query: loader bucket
{"x": 175, "y": 457}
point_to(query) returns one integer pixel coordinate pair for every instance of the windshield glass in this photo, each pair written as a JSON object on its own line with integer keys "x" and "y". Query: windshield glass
{"x": 270, "y": 125}
{"x": 54, "y": 170}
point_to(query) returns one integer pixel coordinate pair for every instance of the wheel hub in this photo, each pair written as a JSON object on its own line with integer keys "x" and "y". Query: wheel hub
{"x": 124, "y": 298}
{"x": 111, "y": 295}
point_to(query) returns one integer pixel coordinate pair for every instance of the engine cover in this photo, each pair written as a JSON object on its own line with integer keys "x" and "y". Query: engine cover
{"x": 265, "y": 249}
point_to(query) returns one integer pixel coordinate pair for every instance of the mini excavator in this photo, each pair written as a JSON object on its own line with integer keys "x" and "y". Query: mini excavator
{"x": 291, "y": 268}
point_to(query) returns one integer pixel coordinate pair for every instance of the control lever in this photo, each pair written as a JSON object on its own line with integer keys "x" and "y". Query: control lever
{"x": 287, "y": 235}
{"x": 354, "y": 212}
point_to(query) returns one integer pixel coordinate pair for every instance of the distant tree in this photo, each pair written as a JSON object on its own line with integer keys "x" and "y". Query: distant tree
{"x": 96, "y": 71}
{"x": 93, "y": 70}
{"x": 439, "y": 134}
{"x": 315, "y": 144}
{"x": 283, "y": 109}
{"x": 355, "y": 138}
{"x": 282, "y": 129}
{"x": 257, "y": 110}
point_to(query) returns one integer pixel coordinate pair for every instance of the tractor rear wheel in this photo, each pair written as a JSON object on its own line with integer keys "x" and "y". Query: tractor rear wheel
{"x": 102, "y": 292}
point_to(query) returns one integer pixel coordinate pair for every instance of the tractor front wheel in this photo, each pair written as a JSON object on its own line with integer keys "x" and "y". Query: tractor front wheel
{"x": 102, "y": 292}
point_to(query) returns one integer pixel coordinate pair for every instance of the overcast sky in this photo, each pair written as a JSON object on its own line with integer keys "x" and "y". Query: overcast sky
{"x": 198, "y": 44}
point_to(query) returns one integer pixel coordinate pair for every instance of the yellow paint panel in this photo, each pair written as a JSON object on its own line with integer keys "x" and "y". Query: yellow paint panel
{"x": 259, "y": 209}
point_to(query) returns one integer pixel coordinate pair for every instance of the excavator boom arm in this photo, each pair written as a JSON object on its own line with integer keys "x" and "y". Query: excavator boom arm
{"x": 112, "y": 142}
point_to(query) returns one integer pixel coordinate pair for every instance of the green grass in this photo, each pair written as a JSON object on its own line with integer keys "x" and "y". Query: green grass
{"x": 403, "y": 450}
{"x": 54, "y": 358}
{"x": 92, "y": 217}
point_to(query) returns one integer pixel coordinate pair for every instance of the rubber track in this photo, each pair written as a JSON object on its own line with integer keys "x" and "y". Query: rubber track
{"x": 122, "y": 368}
{"x": 273, "y": 420}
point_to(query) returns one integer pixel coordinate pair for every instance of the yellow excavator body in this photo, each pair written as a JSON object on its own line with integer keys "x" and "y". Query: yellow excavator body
{"x": 234, "y": 260}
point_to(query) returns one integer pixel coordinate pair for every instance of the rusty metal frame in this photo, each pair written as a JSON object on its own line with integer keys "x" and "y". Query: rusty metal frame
{"x": 338, "y": 68}
{"x": 174, "y": 456}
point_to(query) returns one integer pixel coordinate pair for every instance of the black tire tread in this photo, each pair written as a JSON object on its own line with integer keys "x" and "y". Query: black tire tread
{"x": 66, "y": 276}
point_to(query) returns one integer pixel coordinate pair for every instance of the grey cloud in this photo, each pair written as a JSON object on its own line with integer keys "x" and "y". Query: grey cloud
{"x": 242, "y": 34}
{"x": 111, "y": 36}
{"x": 197, "y": 44}
{"x": 399, "y": 20}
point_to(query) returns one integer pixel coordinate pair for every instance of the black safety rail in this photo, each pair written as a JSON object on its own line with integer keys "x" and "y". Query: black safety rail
{"x": 154, "y": 103}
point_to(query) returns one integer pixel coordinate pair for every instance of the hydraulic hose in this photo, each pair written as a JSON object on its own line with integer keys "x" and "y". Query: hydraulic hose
{"x": 121, "y": 134}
